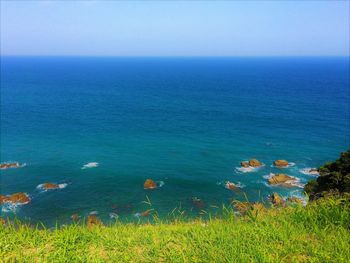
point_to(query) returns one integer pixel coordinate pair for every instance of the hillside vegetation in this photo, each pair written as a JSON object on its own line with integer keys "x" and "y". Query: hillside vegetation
{"x": 319, "y": 232}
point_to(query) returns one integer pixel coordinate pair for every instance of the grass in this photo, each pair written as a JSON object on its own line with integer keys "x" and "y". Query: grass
{"x": 319, "y": 232}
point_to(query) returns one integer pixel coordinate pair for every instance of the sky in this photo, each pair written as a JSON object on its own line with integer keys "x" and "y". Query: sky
{"x": 175, "y": 28}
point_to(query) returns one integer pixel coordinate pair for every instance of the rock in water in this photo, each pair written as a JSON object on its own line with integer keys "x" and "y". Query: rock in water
{"x": 198, "y": 203}
{"x": 254, "y": 163}
{"x": 280, "y": 163}
{"x": 3, "y": 199}
{"x": 281, "y": 179}
{"x": 276, "y": 199}
{"x": 9, "y": 165}
{"x": 230, "y": 186}
{"x": 48, "y": 186}
{"x": 149, "y": 184}
{"x": 245, "y": 164}
{"x": 93, "y": 220}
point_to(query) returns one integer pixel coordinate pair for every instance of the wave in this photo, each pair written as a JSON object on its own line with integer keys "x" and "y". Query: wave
{"x": 309, "y": 171}
{"x": 160, "y": 183}
{"x": 90, "y": 165}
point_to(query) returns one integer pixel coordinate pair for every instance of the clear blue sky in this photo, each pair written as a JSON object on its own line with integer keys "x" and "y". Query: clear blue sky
{"x": 173, "y": 28}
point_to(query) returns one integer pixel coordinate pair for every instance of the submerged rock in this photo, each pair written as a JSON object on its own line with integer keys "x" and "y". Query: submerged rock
{"x": 75, "y": 217}
{"x": 245, "y": 164}
{"x": 93, "y": 220}
{"x": 17, "y": 198}
{"x": 281, "y": 179}
{"x": 276, "y": 199}
{"x": 254, "y": 163}
{"x": 9, "y": 165}
{"x": 198, "y": 203}
{"x": 280, "y": 163}
{"x": 149, "y": 184}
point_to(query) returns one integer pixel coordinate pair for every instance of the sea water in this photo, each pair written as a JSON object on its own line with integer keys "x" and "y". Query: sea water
{"x": 102, "y": 126}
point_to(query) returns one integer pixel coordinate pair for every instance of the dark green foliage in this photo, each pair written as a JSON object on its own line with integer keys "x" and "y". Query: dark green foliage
{"x": 334, "y": 178}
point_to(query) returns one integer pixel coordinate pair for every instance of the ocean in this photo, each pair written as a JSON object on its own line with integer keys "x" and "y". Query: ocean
{"x": 184, "y": 122}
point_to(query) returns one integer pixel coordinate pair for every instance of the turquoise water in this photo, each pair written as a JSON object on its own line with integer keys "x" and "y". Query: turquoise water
{"x": 186, "y": 121}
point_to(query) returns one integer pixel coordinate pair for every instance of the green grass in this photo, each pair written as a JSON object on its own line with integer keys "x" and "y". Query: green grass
{"x": 319, "y": 232}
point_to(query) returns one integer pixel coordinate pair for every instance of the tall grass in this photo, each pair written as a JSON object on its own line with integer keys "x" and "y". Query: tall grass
{"x": 319, "y": 232}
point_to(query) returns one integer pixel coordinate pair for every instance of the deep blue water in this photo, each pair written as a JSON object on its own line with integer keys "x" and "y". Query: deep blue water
{"x": 185, "y": 121}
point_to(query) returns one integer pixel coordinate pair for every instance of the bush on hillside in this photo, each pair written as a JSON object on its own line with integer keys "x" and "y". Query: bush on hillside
{"x": 334, "y": 178}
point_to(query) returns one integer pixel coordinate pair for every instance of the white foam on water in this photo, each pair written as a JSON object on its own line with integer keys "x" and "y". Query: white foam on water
{"x": 249, "y": 169}
{"x": 309, "y": 171}
{"x": 61, "y": 186}
{"x": 90, "y": 165}
{"x": 93, "y": 213}
{"x": 246, "y": 169}
{"x": 137, "y": 214}
{"x": 160, "y": 183}
{"x": 113, "y": 215}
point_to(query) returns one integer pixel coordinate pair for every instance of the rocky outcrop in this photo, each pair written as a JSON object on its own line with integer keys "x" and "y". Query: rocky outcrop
{"x": 17, "y": 198}
{"x": 276, "y": 199}
{"x": 93, "y": 220}
{"x": 149, "y": 184}
{"x": 48, "y": 186}
{"x": 230, "y": 186}
{"x": 244, "y": 207}
{"x": 245, "y": 164}
{"x": 280, "y": 163}
{"x": 9, "y": 165}
{"x": 294, "y": 199}
{"x": 251, "y": 163}
{"x": 281, "y": 179}
{"x": 254, "y": 163}
{"x": 2, "y": 221}
{"x": 3, "y": 199}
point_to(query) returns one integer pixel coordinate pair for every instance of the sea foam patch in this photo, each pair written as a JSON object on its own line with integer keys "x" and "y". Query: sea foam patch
{"x": 90, "y": 165}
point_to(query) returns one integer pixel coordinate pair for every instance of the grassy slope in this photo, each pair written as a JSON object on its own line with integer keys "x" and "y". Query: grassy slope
{"x": 318, "y": 233}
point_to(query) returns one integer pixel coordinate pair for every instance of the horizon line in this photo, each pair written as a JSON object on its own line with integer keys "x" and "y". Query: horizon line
{"x": 176, "y": 56}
